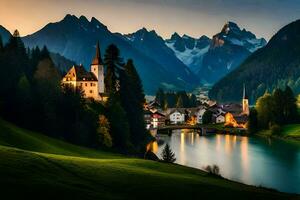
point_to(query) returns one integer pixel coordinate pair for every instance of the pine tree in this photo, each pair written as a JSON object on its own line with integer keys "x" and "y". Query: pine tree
{"x": 133, "y": 99}
{"x": 119, "y": 127}
{"x": 167, "y": 154}
{"x": 113, "y": 63}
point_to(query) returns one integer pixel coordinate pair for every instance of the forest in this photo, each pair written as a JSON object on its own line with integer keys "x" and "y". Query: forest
{"x": 31, "y": 96}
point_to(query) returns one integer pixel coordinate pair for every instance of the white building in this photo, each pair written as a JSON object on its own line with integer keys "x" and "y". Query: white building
{"x": 91, "y": 83}
{"x": 220, "y": 119}
{"x": 200, "y": 114}
{"x": 177, "y": 117}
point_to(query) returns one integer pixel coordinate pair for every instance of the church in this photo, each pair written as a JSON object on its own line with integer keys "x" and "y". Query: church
{"x": 90, "y": 82}
{"x": 239, "y": 119}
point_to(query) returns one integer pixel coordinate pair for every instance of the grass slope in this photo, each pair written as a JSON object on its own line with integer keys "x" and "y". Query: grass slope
{"x": 290, "y": 132}
{"x": 35, "y": 166}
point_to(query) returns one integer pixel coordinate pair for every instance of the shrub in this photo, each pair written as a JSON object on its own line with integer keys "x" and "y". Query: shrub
{"x": 215, "y": 170}
{"x": 275, "y": 129}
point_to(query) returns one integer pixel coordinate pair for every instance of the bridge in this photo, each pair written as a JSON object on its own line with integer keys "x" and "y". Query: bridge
{"x": 202, "y": 129}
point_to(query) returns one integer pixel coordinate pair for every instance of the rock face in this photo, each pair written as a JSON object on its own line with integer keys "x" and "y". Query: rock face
{"x": 275, "y": 65}
{"x": 5, "y": 34}
{"x": 75, "y": 39}
{"x": 211, "y": 59}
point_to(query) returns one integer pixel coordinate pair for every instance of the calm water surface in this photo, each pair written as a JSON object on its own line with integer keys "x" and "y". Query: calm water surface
{"x": 254, "y": 161}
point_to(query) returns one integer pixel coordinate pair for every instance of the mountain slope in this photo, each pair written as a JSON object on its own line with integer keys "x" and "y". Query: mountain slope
{"x": 275, "y": 65}
{"x": 154, "y": 47}
{"x": 189, "y": 50}
{"x": 75, "y": 39}
{"x": 39, "y": 167}
{"x": 5, "y": 34}
{"x": 213, "y": 59}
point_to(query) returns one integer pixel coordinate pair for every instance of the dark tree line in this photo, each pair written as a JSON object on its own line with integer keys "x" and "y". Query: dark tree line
{"x": 176, "y": 99}
{"x": 126, "y": 98}
{"x": 273, "y": 110}
{"x": 31, "y": 96}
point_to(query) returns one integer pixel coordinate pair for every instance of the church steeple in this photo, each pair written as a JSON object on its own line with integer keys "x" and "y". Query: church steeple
{"x": 245, "y": 102}
{"x": 98, "y": 70}
{"x": 97, "y": 60}
{"x": 244, "y": 92}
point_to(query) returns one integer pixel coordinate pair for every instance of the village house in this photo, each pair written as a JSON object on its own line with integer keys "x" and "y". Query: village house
{"x": 220, "y": 119}
{"x": 92, "y": 82}
{"x": 200, "y": 114}
{"x": 177, "y": 116}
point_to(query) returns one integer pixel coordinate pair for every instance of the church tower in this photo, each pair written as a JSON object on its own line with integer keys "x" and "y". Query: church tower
{"x": 245, "y": 102}
{"x": 98, "y": 69}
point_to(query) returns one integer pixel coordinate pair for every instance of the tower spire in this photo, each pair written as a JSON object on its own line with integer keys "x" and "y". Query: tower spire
{"x": 244, "y": 92}
{"x": 97, "y": 60}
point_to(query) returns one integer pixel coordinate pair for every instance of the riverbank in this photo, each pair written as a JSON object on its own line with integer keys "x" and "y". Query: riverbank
{"x": 289, "y": 132}
{"x": 39, "y": 167}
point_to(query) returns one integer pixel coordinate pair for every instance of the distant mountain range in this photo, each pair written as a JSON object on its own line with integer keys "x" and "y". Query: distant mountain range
{"x": 211, "y": 59}
{"x": 275, "y": 65}
{"x": 178, "y": 63}
{"x": 75, "y": 39}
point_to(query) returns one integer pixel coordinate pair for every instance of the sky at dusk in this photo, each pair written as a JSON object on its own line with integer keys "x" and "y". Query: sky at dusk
{"x": 192, "y": 17}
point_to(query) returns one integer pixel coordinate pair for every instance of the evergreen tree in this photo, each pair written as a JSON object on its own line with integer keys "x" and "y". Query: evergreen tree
{"x": 279, "y": 102}
{"x": 290, "y": 106}
{"x": 103, "y": 132}
{"x": 119, "y": 127}
{"x": 252, "y": 125}
{"x": 207, "y": 117}
{"x": 133, "y": 99}
{"x": 167, "y": 154}
{"x": 179, "y": 103}
{"x": 160, "y": 97}
{"x": 113, "y": 63}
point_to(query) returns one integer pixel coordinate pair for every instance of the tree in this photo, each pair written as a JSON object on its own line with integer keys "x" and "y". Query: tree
{"x": 290, "y": 106}
{"x": 132, "y": 100}
{"x": 103, "y": 132}
{"x": 119, "y": 127}
{"x": 113, "y": 63}
{"x": 160, "y": 97}
{"x": 179, "y": 103}
{"x": 207, "y": 117}
{"x": 167, "y": 154}
{"x": 278, "y": 107}
{"x": 252, "y": 125}
{"x": 265, "y": 111}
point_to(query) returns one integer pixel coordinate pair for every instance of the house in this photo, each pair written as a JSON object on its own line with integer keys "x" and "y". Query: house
{"x": 220, "y": 119}
{"x": 157, "y": 119}
{"x": 200, "y": 114}
{"x": 177, "y": 116}
{"x": 90, "y": 82}
{"x": 154, "y": 119}
{"x": 148, "y": 118}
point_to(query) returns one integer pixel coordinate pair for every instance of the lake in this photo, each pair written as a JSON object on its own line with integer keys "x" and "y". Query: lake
{"x": 250, "y": 160}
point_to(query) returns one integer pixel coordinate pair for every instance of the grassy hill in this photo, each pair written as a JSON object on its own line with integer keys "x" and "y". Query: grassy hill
{"x": 290, "y": 132}
{"x": 33, "y": 165}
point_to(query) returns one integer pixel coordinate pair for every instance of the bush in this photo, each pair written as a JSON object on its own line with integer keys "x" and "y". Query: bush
{"x": 215, "y": 170}
{"x": 275, "y": 129}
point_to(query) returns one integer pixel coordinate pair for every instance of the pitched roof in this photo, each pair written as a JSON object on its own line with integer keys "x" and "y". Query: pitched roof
{"x": 97, "y": 59}
{"x": 78, "y": 73}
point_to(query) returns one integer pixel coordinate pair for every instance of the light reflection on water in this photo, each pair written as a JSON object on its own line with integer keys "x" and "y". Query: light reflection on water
{"x": 254, "y": 161}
